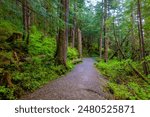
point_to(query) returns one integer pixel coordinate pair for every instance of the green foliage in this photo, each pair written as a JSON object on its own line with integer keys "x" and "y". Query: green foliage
{"x": 8, "y": 26}
{"x": 6, "y": 93}
{"x": 72, "y": 53}
{"x": 70, "y": 65}
{"x": 35, "y": 76}
{"x": 40, "y": 45}
{"x": 6, "y": 30}
{"x": 120, "y": 91}
{"x": 138, "y": 92}
{"x": 147, "y": 59}
{"x": 39, "y": 68}
{"x": 113, "y": 68}
{"x": 36, "y": 60}
{"x": 123, "y": 82}
{"x": 131, "y": 91}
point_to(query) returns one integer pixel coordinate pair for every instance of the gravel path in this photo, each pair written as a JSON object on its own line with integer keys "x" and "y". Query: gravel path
{"x": 83, "y": 83}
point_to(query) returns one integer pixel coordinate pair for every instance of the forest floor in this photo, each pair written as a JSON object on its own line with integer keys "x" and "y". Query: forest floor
{"x": 83, "y": 83}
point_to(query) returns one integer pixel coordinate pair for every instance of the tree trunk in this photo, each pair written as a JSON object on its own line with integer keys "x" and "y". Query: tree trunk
{"x": 28, "y": 26}
{"x": 67, "y": 20}
{"x": 141, "y": 37}
{"x": 61, "y": 53}
{"x": 73, "y": 38}
{"x": 80, "y": 43}
{"x": 26, "y": 21}
{"x": 74, "y": 25}
{"x": 101, "y": 33}
{"x": 132, "y": 36}
{"x": 24, "y": 10}
{"x": 106, "y": 41}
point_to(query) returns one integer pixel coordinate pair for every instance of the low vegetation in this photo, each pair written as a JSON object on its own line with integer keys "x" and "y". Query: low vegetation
{"x": 124, "y": 83}
{"x": 28, "y": 72}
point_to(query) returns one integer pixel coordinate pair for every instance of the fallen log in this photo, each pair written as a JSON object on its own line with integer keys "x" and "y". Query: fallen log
{"x": 139, "y": 74}
{"x": 76, "y": 61}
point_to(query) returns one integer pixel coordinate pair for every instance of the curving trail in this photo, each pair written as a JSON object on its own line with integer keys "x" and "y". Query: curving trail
{"x": 83, "y": 83}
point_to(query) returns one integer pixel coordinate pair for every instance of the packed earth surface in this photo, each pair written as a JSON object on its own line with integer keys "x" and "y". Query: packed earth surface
{"x": 83, "y": 83}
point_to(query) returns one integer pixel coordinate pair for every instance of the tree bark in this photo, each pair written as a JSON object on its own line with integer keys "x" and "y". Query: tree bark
{"x": 141, "y": 37}
{"x": 101, "y": 33}
{"x": 26, "y": 21}
{"x": 106, "y": 40}
{"x": 74, "y": 25}
{"x": 24, "y": 10}
{"x": 132, "y": 36}
{"x": 61, "y": 53}
{"x": 80, "y": 43}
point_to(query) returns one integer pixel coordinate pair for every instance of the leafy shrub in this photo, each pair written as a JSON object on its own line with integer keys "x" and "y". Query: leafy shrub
{"x": 120, "y": 91}
{"x": 137, "y": 91}
{"x": 72, "y": 53}
{"x": 70, "y": 65}
{"x": 148, "y": 59}
{"x": 40, "y": 45}
{"x": 112, "y": 68}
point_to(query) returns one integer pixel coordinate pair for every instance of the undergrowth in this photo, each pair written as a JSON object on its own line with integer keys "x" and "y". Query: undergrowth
{"x": 38, "y": 68}
{"x": 123, "y": 82}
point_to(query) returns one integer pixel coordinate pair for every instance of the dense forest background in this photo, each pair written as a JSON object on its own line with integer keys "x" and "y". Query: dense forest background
{"x": 40, "y": 40}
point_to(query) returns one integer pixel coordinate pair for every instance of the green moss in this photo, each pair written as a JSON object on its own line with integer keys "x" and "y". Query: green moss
{"x": 6, "y": 30}
{"x": 6, "y": 93}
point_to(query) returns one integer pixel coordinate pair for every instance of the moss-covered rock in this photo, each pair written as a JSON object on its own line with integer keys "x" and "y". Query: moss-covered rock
{"x": 6, "y": 30}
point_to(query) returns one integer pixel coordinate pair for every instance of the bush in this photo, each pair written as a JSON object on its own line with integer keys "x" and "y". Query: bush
{"x": 72, "y": 53}
{"x": 70, "y": 65}
{"x": 119, "y": 91}
{"x": 40, "y": 45}
{"x": 137, "y": 91}
{"x": 112, "y": 69}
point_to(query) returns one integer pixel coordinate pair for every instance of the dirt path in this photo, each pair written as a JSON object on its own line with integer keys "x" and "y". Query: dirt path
{"x": 83, "y": 83}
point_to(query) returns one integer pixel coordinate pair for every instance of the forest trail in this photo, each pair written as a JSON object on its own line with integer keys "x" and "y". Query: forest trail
{"x": 83, "y": 83}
